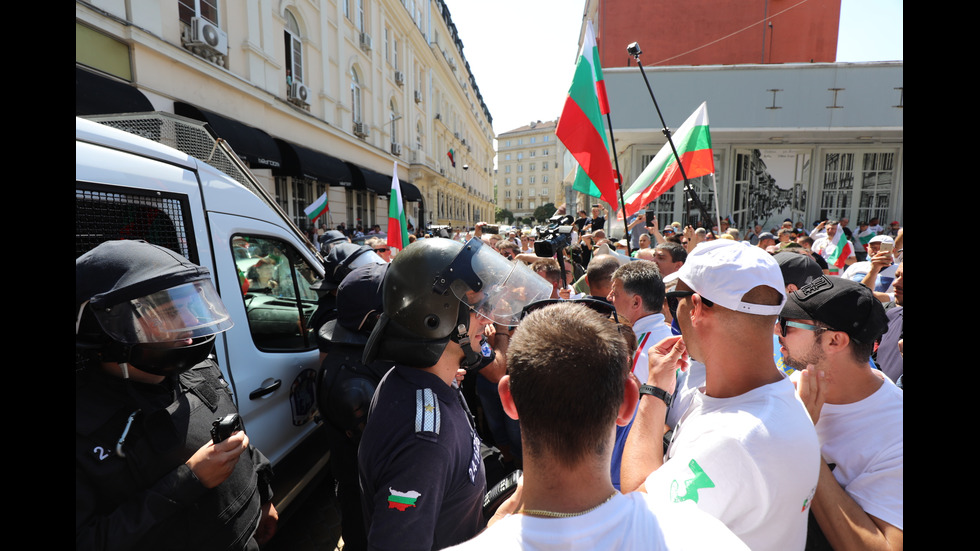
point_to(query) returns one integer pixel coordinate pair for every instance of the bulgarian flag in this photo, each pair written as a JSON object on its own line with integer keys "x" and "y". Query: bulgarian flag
{"x": 693, "y": 143}
{"x": 580, "y": 125}
{"x": 452, "y": 157}
{"x": 402, "y": 500}
{"x": 318, "y": 207}
{"x": 397, "y": 226}
{"x": 840, "y": 249}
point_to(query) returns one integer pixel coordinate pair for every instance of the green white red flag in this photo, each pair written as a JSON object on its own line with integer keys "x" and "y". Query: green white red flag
{"x": 397, "y": 225}
{"x": 318, "y": 207}
{"x": 580, "y": 125}
{"x": 840, "y": 249}
{"x": 693, "y": 142}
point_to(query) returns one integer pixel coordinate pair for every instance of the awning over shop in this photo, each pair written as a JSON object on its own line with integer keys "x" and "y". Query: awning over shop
{"x": 377, "y": 182}
{"x": 365, "y": 178}
{"x": 304, "y": 162}
{"x": 410, "y": 192}
{"x": 99, "y": 95}
{"x": 254, "y": 146}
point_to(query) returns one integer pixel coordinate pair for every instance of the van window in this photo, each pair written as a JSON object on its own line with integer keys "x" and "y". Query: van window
{"x": 103, "y": 213}
{"x": 275, "y": 281}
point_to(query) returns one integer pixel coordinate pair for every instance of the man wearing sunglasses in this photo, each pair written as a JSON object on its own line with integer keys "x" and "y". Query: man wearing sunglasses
{"x": 745, "y": 450}
{"x": 828, "y": 329}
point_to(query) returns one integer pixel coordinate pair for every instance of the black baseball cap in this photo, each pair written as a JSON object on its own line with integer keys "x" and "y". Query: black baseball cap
{"x": 842, "y": 305}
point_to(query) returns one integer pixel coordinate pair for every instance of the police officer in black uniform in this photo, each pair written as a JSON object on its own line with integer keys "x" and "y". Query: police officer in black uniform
{"x": 147, "y": 473}
{"x": 420, "y": 467}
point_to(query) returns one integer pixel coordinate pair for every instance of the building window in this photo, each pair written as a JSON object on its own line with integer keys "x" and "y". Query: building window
{"x": 507, "y": 157}
{"x": 359, "y": 16}
{"x": 544, "y": 179}
{"x": 355, "y": 93}
{"x": 532, "y": 166}
{"x": 530, "y": 180}
{"x": 294, "y": 52}
{"x": 520, "y": 180}
{"x": 393, "y": 120}
{"x": 530, "y": 191}
{"x": 547, "y": 138}
{"x": 520, "y": 168}
{"x": 507, "y": 182}
{"x": 532, "y": 153}
{"x": 189, "y": 9}
{"x": 857, "y": 192}
{"x": 507, "y": 169}
{"x": 544, "y": 192}
{"x": 534, "y": 139}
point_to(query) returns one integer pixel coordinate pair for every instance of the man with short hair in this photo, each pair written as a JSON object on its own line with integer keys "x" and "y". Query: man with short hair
{"x": 419, "y": 463}
{"x": 598, "y": 276}
{"x": 828, "y": 329}
{"x": 549, "y": 269}
{"x": 568, "y": 393}
{"x": 638, "y": 295}
{"x": 745, "y": 450}
{"x": 669, "y": 257}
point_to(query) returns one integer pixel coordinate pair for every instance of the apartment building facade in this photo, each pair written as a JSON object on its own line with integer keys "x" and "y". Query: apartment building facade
{"x": 532, "y": 169}
{"x": 330, "y": 96}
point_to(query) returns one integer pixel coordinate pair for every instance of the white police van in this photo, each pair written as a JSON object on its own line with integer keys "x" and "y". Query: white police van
{"x": 130, "y": 187}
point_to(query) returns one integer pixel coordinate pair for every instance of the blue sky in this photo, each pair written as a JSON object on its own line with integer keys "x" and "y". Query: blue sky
{"x": 518, "y": 87}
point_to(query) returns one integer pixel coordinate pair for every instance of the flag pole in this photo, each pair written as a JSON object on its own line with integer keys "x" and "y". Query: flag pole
{"x": 619, "y": 186}
{"x": 634, "y": 50}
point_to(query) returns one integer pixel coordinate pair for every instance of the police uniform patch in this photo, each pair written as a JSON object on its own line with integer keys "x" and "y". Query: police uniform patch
{"x": 402, "y": 500}
{"x": 427, "y": 416}
{"x": 485, "y": 349}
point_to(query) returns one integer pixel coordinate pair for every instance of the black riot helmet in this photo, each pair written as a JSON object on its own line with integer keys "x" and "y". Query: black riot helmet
{"x": 341, "y": 260}
{"x": 431, "y": 287}
{"x": 145, "y": 305}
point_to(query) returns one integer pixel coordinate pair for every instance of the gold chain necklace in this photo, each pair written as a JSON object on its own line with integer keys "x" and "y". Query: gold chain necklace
{"x": 552, "y": 514}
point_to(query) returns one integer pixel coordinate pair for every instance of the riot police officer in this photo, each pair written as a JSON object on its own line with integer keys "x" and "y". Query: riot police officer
{"x": 147, "y": 473}
{"x": 420, "y": 468}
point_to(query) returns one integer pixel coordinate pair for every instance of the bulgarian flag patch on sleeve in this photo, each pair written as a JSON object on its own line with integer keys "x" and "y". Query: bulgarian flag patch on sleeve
{"x": 402, "y": 500}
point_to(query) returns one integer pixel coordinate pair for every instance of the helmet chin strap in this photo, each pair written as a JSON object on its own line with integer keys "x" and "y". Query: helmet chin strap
{"x": 461, "y": 336}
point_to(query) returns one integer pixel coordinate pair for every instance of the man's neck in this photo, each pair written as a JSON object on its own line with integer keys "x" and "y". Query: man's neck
{"x": 851, "y": 382}
{"x": 555, "y": 487}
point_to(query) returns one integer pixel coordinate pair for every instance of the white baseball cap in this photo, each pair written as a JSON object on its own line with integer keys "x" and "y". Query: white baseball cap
{"x": 723, "y": 271}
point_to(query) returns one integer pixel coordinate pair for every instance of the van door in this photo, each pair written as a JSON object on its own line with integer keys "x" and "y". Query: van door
{"x": 264, "y": 281}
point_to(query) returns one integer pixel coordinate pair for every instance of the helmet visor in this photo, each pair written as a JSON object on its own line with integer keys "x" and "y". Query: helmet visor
{"x": 494, "y": 287}
{"x": 187, "y": 311}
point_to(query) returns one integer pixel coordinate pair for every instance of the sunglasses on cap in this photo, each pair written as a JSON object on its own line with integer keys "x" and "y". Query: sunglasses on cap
{"x": 382, "y": 249}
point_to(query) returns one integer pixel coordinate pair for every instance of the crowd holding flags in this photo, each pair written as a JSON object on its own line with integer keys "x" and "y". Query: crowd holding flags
{"x": 693, "y": 141}
{"x": 317, "y": 208}
{"x": 580, "y": 125}
{"x": 397, "y": 224}
{"x": 580, "y": 130}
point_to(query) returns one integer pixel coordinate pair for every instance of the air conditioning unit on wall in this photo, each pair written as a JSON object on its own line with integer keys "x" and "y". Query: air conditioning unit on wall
{"x": 360, "y": 130}
{"x": 399, "y": 78}
{"x": 300, "y": 93}
{"x": 207, "y": 34}
{"x": 366, "y": 42}
{"x": 396, "y": 149}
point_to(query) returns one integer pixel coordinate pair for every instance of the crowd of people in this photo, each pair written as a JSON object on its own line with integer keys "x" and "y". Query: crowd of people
{"x": 680, "y": 388}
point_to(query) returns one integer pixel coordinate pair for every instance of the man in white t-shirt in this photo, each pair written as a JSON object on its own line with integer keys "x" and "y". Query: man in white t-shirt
{"x": 638, "y": 296}
{"x": 744, "y": 451}
{"x": 828, "y": 328}
{"x": 569, "y": 393}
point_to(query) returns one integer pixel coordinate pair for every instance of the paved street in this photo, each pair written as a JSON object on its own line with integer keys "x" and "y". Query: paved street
{"x": 315, "y": 526}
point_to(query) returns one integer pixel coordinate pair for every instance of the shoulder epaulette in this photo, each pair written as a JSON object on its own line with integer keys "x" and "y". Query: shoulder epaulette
{"x": 427, "y": 420}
